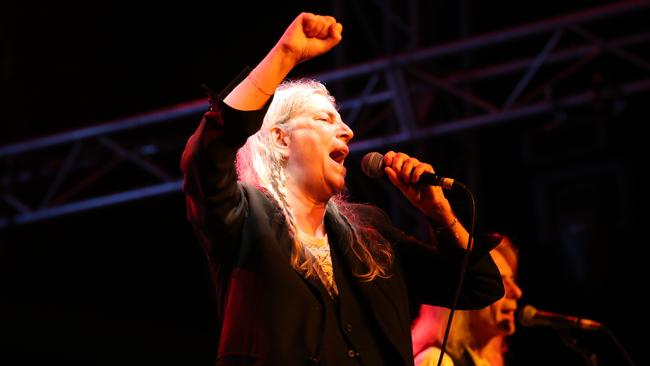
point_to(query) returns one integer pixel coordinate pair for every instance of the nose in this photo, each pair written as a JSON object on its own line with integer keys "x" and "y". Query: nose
{"x": 513, "y": 291}
{"x": 345, "y": 132}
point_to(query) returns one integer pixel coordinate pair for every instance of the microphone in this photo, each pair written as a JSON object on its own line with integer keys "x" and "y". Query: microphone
{"x": 372, "y": 165}
{"x": 529, "y": 316}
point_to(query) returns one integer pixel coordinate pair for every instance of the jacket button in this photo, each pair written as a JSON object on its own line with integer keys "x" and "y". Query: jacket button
{"x": 351, "y": 353}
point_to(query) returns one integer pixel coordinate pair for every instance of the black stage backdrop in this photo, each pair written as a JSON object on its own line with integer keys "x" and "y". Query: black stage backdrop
{"x": 128, "y": 284}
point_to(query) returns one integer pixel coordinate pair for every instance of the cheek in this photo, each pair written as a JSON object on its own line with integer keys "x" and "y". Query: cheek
{"x": 304, "y": 149}
{"x": 495, "y": 311}
{"x": 484, "y": 318}
{"x": 306, "y": 159}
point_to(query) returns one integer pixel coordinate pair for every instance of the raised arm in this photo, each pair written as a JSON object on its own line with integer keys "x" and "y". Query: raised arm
{"x": 215, "y": 203}
{"x": 308, "y": 36}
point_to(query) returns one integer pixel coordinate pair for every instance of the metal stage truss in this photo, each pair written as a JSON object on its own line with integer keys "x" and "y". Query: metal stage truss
{"x": 498, "y": 77}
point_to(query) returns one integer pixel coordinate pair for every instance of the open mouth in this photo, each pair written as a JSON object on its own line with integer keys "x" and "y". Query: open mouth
{"x": 339, "y": 155}
{"x": 508, "y": 312}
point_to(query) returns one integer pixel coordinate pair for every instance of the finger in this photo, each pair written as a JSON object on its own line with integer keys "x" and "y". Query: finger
{"x": 419, "y": 170}
{"x": 307, "y": 22}
{"x": 318, "y": 27}
{"x": 336, "y": 31}
{"x": 327, "y": 22}
{"x": 407, "y": 168}
{"x": 388, "y": 158}
{"x": 312, "y": 24}
{"x": 393, "y": 177}
{"x": 398, "y": 161}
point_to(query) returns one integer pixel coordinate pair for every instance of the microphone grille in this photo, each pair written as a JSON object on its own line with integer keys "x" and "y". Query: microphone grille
{"x": 372, "y": 164}
{"x": 526, "y": 316}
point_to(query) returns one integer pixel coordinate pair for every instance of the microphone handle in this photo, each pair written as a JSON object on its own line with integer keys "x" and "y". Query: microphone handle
{"x": 447, "y": 183}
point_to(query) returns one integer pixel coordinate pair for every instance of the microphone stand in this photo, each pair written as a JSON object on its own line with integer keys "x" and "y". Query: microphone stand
{"x": 571, "y": 341}
{"x": 620, "y": 347}
{"x": 590, "y": 356}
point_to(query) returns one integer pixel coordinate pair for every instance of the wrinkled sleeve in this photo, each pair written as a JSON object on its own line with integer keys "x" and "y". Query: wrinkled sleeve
{"x": 216, "y": 206}
{"x": 432, "y": 275}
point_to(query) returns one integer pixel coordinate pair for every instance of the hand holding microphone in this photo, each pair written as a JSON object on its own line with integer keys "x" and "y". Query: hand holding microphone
{"x": 373, "y": 165}
{"x": 416, "y": 180}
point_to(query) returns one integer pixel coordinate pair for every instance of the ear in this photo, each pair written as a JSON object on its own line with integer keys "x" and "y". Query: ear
{"x": 280, "y": 140}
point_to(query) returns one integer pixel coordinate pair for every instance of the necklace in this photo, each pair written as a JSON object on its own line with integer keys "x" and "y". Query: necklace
{"x": 319, "y": 247}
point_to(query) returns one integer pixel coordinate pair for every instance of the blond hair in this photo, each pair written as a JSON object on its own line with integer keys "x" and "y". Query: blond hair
{"x": 460, "y": 334}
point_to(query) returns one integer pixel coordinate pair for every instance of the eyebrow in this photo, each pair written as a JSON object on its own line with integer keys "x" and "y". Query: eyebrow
{"x": 330, "y": 114}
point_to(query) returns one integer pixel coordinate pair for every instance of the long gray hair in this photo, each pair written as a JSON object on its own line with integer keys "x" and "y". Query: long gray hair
{"x": 263, "y": 165}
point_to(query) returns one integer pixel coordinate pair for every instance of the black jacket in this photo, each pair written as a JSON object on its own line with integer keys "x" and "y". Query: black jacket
{"x": 268, "y": 312}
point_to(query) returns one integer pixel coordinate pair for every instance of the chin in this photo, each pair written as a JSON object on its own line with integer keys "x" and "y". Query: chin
{"x": 334, "y": 192}
{"x": 507, "y": 327}
{"x": 337, "y": 185}
{"x": 331, "y": 190}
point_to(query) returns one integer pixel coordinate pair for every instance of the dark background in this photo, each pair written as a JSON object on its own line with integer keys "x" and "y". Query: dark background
{"x": 128, "y": 284}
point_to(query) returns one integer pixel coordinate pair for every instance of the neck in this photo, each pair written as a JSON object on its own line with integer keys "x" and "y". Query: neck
{"x": 309, "y": 213}
{"x": 491, "y": 349}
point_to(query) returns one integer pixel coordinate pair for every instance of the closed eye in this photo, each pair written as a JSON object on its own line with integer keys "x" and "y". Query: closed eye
{"x": 325, "y": 117}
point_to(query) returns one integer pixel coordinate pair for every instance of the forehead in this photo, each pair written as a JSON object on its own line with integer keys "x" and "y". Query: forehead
{"x": 318, "y": 103}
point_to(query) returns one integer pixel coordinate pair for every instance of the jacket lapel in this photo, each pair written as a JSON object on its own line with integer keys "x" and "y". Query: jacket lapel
{"x": 382, "y": 294}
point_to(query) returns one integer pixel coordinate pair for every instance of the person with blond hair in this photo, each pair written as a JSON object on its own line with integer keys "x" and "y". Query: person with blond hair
{"x": 477, "y": 337}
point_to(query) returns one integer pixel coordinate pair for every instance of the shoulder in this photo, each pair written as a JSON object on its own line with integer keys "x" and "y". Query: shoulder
{"x": 429, "y": 357}
{"x": 367, "y": 214}
{"x": 258, "y": 197}
{"x": 369, "y": 218}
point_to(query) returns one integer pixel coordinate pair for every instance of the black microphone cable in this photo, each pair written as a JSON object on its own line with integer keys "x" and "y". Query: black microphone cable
{"x": 372, "y": 165}
{"x": 463, "y": 269}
